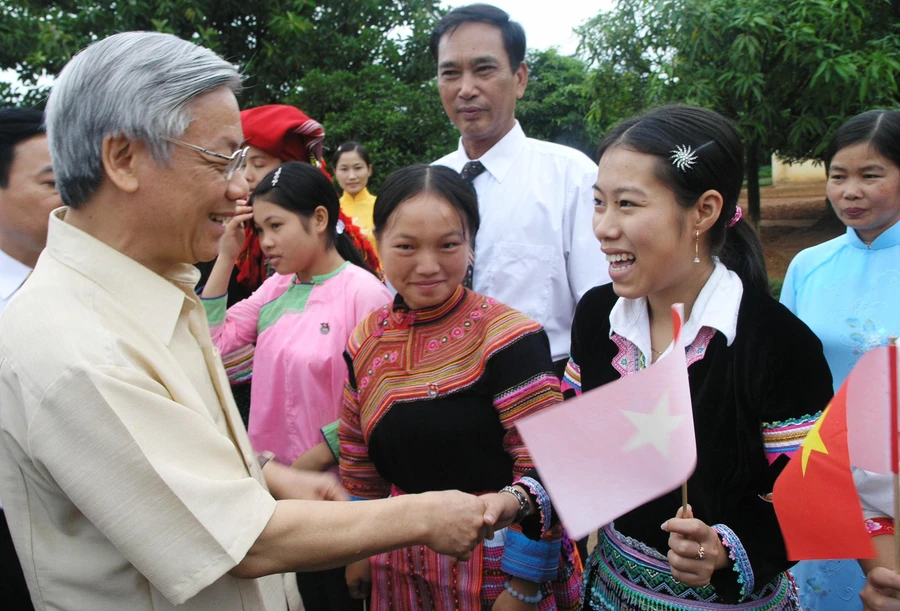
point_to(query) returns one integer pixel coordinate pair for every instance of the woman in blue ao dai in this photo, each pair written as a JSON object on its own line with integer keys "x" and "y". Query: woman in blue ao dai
{"x": 847, "y": 290}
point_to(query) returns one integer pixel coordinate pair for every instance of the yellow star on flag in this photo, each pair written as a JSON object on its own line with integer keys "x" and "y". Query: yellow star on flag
{"x": 813, "y": 441}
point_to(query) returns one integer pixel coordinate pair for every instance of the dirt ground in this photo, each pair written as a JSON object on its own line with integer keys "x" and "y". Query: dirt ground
{"x": 794, "y": 217}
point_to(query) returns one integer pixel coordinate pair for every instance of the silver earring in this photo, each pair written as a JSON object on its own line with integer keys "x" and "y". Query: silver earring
{"x": 697, "y": 247}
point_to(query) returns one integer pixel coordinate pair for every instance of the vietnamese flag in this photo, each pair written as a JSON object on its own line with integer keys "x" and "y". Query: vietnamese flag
{"x": 619, "y": 446}
{"x": 815, "y": 500}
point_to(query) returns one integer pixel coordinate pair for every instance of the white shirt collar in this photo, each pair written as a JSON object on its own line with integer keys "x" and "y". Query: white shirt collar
{"x": 716, "y": 307}
{"x": 501, "y": 157}
{"x": 13, "y": 274}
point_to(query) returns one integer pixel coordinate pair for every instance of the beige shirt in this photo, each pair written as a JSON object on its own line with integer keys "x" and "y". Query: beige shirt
{"x": 126, "y": 474}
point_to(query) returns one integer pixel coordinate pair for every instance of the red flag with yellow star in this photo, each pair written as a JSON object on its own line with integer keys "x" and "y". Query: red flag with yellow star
{"x": 815, "y": 500}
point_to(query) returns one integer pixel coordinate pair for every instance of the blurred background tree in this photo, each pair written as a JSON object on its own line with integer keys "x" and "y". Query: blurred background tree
{"x": 787, "y": 73}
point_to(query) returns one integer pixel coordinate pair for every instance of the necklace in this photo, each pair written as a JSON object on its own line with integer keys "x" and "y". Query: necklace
{"x": 655, "y": 351}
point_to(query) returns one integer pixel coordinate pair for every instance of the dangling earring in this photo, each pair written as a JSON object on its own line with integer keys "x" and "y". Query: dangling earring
{"x": 697, "y": 247}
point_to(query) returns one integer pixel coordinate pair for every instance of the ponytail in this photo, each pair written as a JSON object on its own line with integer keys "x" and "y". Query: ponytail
{"x": 344, "y": 246}
{"x": 742, "y": 253}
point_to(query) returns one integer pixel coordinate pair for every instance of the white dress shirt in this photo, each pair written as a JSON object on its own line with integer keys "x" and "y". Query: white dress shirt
{"x": 716, "y": 307}
{"x": 535, "y": 250}
{"x": 12, "y": 276}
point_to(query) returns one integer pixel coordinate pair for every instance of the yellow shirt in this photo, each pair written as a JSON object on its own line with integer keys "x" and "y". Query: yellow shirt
{"x": 359, "y": 208}
{"x": 125, "y": 471}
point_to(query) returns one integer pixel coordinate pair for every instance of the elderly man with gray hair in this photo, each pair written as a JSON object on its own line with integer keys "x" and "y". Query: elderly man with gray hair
{"x": 126, "y": 474}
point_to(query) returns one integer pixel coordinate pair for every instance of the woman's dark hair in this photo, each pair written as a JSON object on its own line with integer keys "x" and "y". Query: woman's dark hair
{"x": 437, "y": 179}
{"x": 350, "y": 147}
{"x": 718, "y": 164}
{"x": 301, "y": 188}
{"x": 878, "y": 128}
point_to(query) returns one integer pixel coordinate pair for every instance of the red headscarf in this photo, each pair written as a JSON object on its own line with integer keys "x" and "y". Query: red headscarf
{"x": 287, "y": 133}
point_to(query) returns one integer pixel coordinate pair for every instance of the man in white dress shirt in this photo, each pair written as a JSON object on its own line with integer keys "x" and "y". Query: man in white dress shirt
{"x": 535, "y": 250}
{"x": 27, "y": 196}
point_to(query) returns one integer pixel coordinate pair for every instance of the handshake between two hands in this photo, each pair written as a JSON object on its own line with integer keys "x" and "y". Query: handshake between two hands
{"x": 456, "y": 522}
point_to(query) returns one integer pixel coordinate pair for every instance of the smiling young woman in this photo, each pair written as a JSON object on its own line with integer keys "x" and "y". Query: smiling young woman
{"x": 667, "y": 219}
{"x": 437, "y": 381}
{"x": 353, "y": 168}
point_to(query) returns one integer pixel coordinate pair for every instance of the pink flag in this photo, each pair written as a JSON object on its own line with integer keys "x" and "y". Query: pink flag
{"x": 870, "y": 419}
{"x": 618, "y": 446}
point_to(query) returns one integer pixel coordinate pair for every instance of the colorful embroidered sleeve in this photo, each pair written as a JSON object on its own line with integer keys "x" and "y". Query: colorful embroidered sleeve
{"x": 740, "y": 563}
{"x": 571, "y": 378}
{"x": 330, "y": 434}
{"x": 235, "y": 328}
{"x": 786, "y": 383}
{"x": 522, "y": 374}
{"x": 785, "y": 437}
{"x": 238, "y": 361}
{"x": 358, "y": 474}
{"x": 880, "y": 526}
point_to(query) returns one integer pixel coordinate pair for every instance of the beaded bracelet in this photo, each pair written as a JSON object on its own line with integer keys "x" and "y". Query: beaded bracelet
{"x": 525, "y": 599}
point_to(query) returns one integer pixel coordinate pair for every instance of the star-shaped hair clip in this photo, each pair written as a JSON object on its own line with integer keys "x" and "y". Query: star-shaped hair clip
{"x": 683, "y": 157}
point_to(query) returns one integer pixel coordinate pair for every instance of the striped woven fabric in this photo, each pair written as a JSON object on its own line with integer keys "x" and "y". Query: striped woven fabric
{"x": 398, "y": 356}
{"x": 786, "y": 436}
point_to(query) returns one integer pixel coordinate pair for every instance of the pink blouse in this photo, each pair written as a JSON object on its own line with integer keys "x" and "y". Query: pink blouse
{"x": 300, "y": 331}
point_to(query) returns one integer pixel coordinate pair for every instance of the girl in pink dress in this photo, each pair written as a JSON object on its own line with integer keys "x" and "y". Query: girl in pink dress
{"x": 301, "y": 317}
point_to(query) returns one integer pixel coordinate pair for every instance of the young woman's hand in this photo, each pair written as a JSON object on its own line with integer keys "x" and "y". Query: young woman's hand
{"x": 287, "y": 483}
{"x": 317, "y": 458}
{"x": 232, "y": 242}
{"x": 881, "y": 590}
{"x": 508, "y": 602}
{"x": 359, "y": 579}
{"x": 695, "y": 550}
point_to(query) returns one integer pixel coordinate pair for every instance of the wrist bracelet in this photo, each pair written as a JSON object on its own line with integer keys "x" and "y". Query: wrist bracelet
{"x": 524, "y": 505}
{"x": 525, "y": 599}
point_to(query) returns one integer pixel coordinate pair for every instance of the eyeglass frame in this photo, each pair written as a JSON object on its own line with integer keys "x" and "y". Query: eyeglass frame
{"x": 236, "y": 162}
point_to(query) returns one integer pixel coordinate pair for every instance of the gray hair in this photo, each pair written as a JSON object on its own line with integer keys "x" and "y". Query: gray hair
{"x": 134, "y": 84}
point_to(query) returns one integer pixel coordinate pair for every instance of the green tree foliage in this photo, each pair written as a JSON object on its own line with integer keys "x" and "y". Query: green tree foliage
{"x": 400, "y": 123}
{"x": 787, "y": 73}
{"x": 556, "y": 102}
{"x": 360, "y": 67}
{"x": 274, "y": 41}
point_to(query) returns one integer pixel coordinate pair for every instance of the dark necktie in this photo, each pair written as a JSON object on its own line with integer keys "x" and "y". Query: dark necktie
{"x": 469, "y": 172}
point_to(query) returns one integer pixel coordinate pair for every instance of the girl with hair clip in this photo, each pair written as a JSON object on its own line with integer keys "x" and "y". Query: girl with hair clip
{"x": 437, "y": 381}
{"x": 299, "y": 321}
{"x": 353, "y": 168}
{"x": 275, "y": 134}
{"x": 846, "y": 290}
{"x": 667, "y": 218}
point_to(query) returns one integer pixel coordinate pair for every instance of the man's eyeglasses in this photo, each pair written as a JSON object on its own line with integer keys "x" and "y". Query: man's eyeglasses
{"x": 236, "y": 161}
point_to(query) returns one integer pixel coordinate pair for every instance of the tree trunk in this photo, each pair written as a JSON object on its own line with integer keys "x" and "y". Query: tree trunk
{"x": 753, "y": 182}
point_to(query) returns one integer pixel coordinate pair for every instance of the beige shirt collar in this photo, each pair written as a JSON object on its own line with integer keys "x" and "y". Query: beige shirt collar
{"x": 157, "y": 300}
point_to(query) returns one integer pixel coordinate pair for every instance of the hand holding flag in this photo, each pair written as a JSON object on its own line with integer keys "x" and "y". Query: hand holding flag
{"x": 619, "y": 446}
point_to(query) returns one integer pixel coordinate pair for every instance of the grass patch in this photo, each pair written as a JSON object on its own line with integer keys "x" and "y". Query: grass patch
{"x": 765, "y": 176}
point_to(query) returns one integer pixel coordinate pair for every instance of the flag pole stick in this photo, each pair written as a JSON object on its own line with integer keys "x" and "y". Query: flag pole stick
{"x": 684, "y": 502}
{"x": 895, "y": 433}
